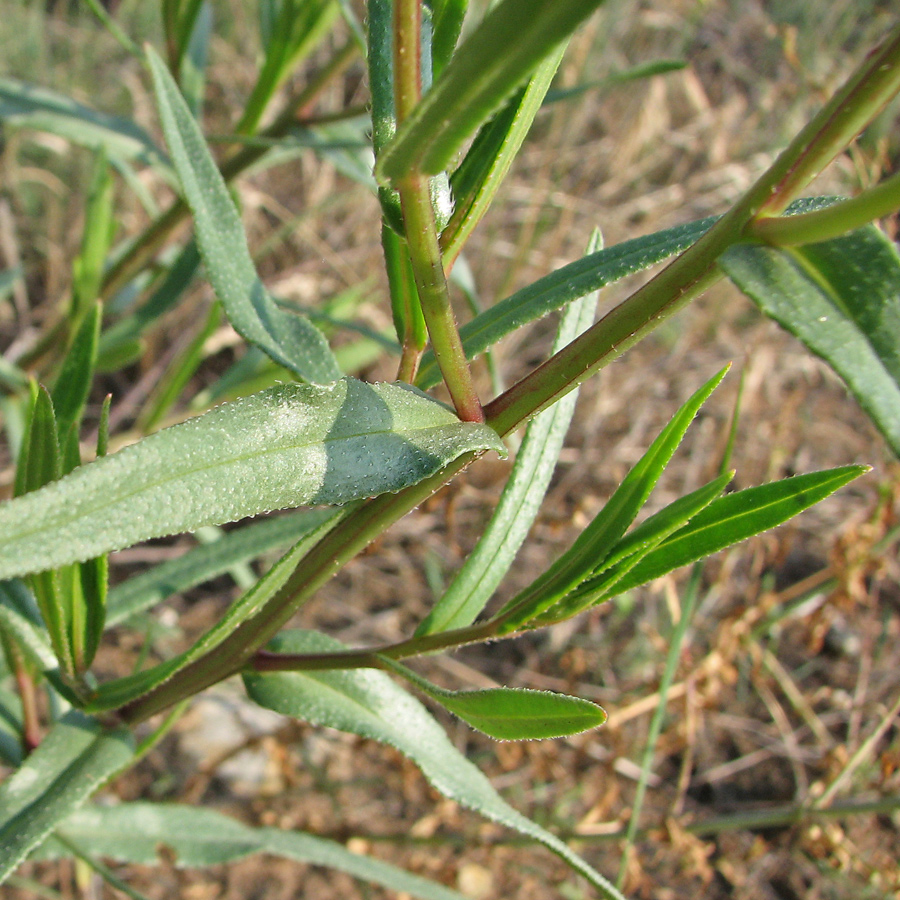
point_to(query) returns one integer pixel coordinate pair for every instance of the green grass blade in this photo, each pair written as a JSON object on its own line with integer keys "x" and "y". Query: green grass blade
{"x": 194, "y": 59}
{"x": 197, "y": 837}
{"x": 40, "y": 459}
{"x": 554, "y": 291}
{"x": 72, "y": 761}
{"x": 735, "y": 517}
{"x": 507, "y": 46}
{"x": 510, "y": 714}
{"x": 290, "y": 340}
{"x": 368, "y": 703}
{"x": 598, "y": 540}
{"x": 634, "y": 73}
{"x": 486, "y": 566}
{"x": 208, "y": 561}
{"x": 293, "y": 445}
{"x": 178, "y": 373}
{"x": 841, "y": 298}
{"x": 447, "y": 25}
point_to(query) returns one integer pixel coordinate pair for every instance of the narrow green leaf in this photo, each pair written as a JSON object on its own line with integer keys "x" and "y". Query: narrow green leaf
{"x": 75, "y": 758}
{"x": 40, "y": 461}
{"x": 194, "y": 58}
{"x": 195, "y": 837}
{"x": 629, "y": 551}
{"x": 478, "y": 178}
{"x": 99, "y": 225}
{"x": 73, "y": 384}
{"x": 208, "y": 561}
{"x": 488, "y": 66}
{"x": 182, "y": 27}
{"x": 448, "y": 21}
{"x": 642, "y": 70}
{"x": 366, "y": 702}
{"x": 511, "y": 714}
{"x": 289, "y": 446}
{"x": 406, "y": 308}
{"x": 289, "y": 339}
{"x": 25, "y": 105}
{"x": 490, "y": 560}
{"x": 841, "y": 298}
{"x": 735, "y": 517}
{"x": 597, "y": 541}
{"x": 591, "y": 273}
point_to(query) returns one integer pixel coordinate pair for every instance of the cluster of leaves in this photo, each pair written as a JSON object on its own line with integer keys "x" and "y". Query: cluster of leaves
{"x": 447, "y": 118}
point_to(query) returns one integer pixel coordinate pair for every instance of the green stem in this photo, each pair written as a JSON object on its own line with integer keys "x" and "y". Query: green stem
{"x": 833, "y": 221}
{"x": 154, "y": 237}
{"x": 683, "y": 279}
{"x": 428, "y": 268}
{"x": 407, "y": 57}
{"x": 868, "y": 90}
{"x": 264, "y": 661}
{"x": 872, "y": 86}
{"x": 420, "y": 226}
{"x": 360, "y": 526}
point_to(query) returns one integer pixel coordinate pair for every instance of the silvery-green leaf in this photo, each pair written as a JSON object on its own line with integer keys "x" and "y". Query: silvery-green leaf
{"x": 292, "y": 445}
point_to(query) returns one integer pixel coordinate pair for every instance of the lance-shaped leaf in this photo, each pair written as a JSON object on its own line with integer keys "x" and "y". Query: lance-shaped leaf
{"x": 369, "y": 703}
{"x": 629, "y": 551}
{"x": 478, "y": 178}
{"x": 510, "y": 714}
{"x": 736, "y": 517}
{"x": 488, "y": 66}
{"x": 193, "y": 837}
{"x": 70, "y": 393}
{"x": 289, "y": 339}
{"x": 75, "y": 758}
{"x": 596, "y": 542}
{"x": 842, "y": 299}
{"x": 293, "y": 445}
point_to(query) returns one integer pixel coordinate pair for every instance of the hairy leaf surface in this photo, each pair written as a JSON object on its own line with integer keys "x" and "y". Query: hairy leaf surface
{"x": 292, "y": 445}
